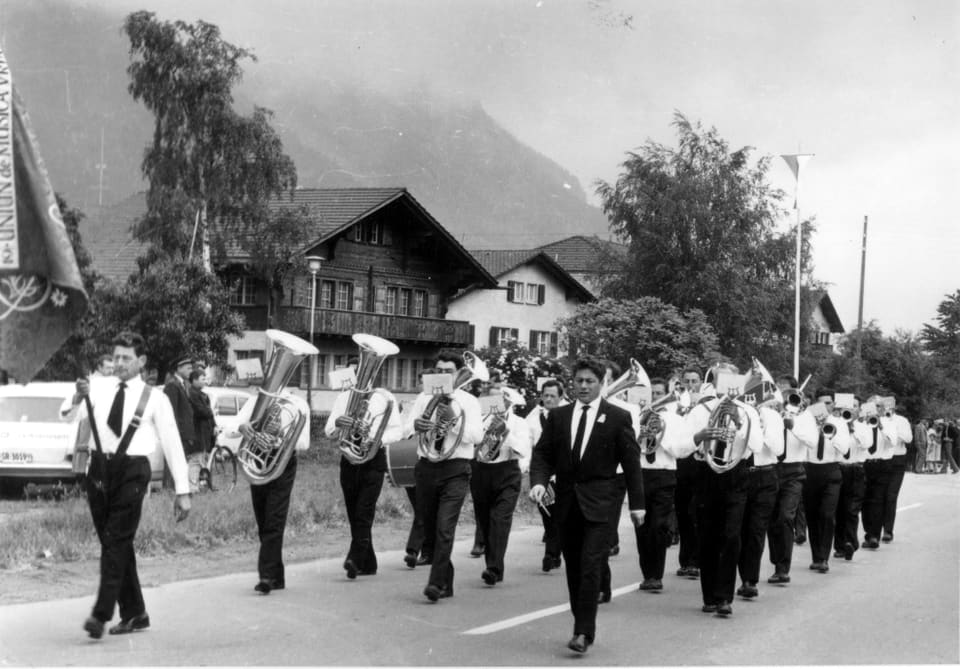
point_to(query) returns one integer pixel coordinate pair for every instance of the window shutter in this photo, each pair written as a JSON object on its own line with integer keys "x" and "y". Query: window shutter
{"x": 432, "y": 307}
{"x": 359, "y": 291}
{"x": 515, "y": 334}
{"x": 472, "y": 336}
{"x": 510, "y": 291}
{"x": 554, "y": 344}
{"x": 533, "y": 340}
{"x": 541, "y": 293}
{"x": 358, "y": 232}
{"x": 493, "y": 337}
{"x": 381, "y": 297}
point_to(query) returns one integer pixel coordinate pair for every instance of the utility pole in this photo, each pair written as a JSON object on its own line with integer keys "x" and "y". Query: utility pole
{"x": 863, "y": 270}
{"x": 101, "y": 166}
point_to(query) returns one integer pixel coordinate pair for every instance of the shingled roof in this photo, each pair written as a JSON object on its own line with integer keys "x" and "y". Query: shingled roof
{"x": 499, "y": 262}
{"x": 822, "y": 298}
{"x": 583, "y": 254}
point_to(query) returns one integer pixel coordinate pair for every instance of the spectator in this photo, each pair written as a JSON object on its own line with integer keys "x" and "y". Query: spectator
{"x": 950, "y": 434}
{"x": 203, "y": 422}
{"x": 920, "y": 444}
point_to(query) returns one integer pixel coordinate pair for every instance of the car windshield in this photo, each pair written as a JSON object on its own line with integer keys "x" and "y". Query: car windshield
{"x": 30, "y": 409}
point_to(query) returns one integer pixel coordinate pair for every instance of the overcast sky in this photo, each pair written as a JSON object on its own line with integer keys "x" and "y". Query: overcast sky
{"x": 869, "y": 86}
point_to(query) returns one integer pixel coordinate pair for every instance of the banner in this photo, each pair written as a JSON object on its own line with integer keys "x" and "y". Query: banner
{"x": 41, "y": 291}
{"x": 796, "y": 161}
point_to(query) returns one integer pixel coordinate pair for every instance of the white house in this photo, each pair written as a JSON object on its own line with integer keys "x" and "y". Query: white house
{"x": 533, "y": 293}
{"x": 826, "y": 329}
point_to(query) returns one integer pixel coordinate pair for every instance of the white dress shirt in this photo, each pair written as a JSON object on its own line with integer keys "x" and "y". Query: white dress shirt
{"x": 884, "y": 436}
{"x": 378, "y": 404}
{"x": 699, "y": 418}
{"x": 592, "y": 410}
{"x": 801, "y": 437}
{"x": 899, "y": 431}
{"x": 158, "y": 426}
{"x": 516, "y": 445}
{"x": 677, "y": 442}
{"x": 833, "y": 447}
{"x": 772, "y": 424}
{"x": 860, "y": 441}
{"x": 472, "y": 427}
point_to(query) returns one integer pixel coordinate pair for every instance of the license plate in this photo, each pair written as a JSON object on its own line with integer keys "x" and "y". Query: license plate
{"x": 16, "y": 458}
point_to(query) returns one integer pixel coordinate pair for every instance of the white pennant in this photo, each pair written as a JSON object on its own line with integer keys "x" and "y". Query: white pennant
{"x": 796, "y": 161}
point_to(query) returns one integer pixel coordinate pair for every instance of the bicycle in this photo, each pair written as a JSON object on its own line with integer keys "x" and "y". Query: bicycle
{"x": 219, "y": 473}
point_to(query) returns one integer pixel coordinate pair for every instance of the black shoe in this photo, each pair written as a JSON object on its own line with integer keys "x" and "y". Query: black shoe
{"x": 263, "y": 587}
{"x": 424, "y": 559}
{"x": 476, "y": 551}
{"x": 351, "y": 568}
{"x": 410, "y": 559}
{"x": 557, "y": 562}
{"x": 93, "y": 627}
{"x": 579, "y": 643}
{"x": 367, "y": 572}
{"x": 615, "y": 550}
{"x": 709, "y": 608}
{"x": 724, "y": 609}
{"x": 848, "y": 551}
{"x": 823, "y": 567}
{"x": 693, "y": 572}
{"x": 887, "y": 537}
{"x": 489, "y": 577}
{"x": 651, "y": 584}
{"x": 871, "y": 543}
{"x": 748, "y": 591}
{"x": 779, "y": 579}
{"x": 838, "y": 553}
{"x": 547, "y": 564}
{"x": 800, "y": 539}
{"x": 604, "y": 597}
{"x": 434, "y": 592}
{"x": 133, "y": 624}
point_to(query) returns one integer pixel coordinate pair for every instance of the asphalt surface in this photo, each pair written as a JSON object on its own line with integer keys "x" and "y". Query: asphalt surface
{"x": 896, "y": 605}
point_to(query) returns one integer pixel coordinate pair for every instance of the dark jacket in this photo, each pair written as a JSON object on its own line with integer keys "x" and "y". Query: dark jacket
{"x": 593, "y": 483}
{"x": 183, "y": 412}
{"x": 202, "y": 418}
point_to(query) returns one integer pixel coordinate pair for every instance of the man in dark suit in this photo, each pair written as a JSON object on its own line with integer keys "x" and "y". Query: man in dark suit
{"x": 176, "y": 390}
{"x": 582, "y": 444}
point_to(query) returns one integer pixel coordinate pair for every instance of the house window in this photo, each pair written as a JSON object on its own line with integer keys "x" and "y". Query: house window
{"x": 535, "y": 293}
{"x": 327, "y": 291}
{"x": 543, "y": 343}
{"x": 242, "y": 293}
{"x": 515, "y": 291}
{"x": 420, "y": 303}
{"x": 369, "y": 233}
{"x": 344, "y": 296}
{"x": 404, "y": 306}
{"x": 390, "y": 306}
{"x": 501, "y": 336}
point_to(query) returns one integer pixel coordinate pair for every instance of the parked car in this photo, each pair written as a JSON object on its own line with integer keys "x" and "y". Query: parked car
{"x": 36, "y": 445}
{"x": 226, "y": 403}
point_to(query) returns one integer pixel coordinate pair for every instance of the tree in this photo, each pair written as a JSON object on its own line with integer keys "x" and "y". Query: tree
{"x": 943, "y": 342}
{"x": 661, "y": 337}
{"x": 519, "y": 368}
{"x": 211, "y": 171}
{"x": 699, "y": 221}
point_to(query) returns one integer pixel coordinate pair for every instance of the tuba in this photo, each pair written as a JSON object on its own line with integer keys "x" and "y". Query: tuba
{"x": 360, "y": 443}
{"x": 277, "y": 421}
{"x": 652, "y": 425}
{"x": 724, "y": 453}
{"x": 635, "y": 376}
{"x": 495, "y": 428}
{"x": 446, "y": 415}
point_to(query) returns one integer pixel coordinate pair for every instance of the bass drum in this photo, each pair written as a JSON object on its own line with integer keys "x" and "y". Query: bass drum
{"x": 401, "y": 460}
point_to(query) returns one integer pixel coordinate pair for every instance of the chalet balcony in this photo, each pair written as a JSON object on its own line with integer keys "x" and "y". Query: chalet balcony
{"x": 388, "y": 326}
{"x": 254, "y": 315}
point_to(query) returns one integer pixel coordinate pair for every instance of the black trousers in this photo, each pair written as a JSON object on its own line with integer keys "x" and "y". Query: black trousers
{"x": 849, "y": 506}
{"x": 271, "y": 502}
{"x": 762, "y": 488}
{"x": 613, "y": 530}
{"x": 721, "y": 500}
{"x": 898, "y": 465}
{"x": 683, "y": 502}
{"x": 654, "y": 536}
{"x": 495, "y": 489}
{"x": 800, "y": 525}
{"x": 780, "y": 534}
{"x": 416, "y": 545}
{"x": 441, "y": 489}
{"x": 877, "y": 475}
{"x": 821, "y": 491}
{"x": 584, "y": 545}
{"x": 479, "y": 539}
{"x": 361, "y": 485}
{"x": 551, "y": 535}
{"x": 116, "y": 517}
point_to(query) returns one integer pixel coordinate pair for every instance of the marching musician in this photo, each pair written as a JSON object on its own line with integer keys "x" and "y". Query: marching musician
{"x": 721, "y": 496}
{"x": 877, "y": 469}
{"x": 362, "y": 481}
{"x": 442, "y": 484}
{"x": 683, "y": 498}
{"x": 495, "y": 485}
{"x": 551, "y": 396}
{"x": 799, "y": 433}
{"x": 660, "y": 449}
{"x": 419, "y": 551}
{"x": 821, "y": 490}
{"x": 901, "y": 435}
{"x": 846, "y": 535}
{"x": 582, "y": 444}
{"x": 762, "y": 488}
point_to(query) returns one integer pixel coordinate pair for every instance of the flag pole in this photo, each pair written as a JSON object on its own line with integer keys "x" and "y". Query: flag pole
{"x": 795, "y": 161}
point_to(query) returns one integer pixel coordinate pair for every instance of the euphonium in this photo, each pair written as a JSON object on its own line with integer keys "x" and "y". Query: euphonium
{"x": 446, "y": 415}
{"x": 724, "y": 453}
{"x": 652, "y": 425}
{"x": 635, "y": 376}
{"x": 495, "y": 428}
{"x": 360, "y": 443}
{"x": 277, "y": 422}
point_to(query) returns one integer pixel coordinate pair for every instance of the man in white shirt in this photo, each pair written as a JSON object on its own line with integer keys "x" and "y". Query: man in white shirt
{"x": 821, "y": 490}
{"x": 551, "y": 396}
{"x": 495, "y": 485}
{"x": 688, "y": 553}
{"x": 120, "y": 477}
{"x": 361, "y": 477}
{"x": 877, "y": 472}
{"x": 846, "y": 539}
{"x": 902, "y": 434}
{"x": 442, "y": 474}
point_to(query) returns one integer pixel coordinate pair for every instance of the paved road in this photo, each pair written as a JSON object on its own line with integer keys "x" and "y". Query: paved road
{"x": 895, "y": 605}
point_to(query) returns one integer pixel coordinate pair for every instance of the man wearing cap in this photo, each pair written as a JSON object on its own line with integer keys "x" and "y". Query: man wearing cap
{"x": 176, "y": 390}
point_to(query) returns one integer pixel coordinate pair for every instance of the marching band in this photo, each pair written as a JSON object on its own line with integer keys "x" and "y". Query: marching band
{"x": 724, "y": 463}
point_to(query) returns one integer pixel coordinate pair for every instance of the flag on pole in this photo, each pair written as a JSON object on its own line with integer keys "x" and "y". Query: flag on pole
{"x": 41, "y": 291}
{"x": 796, "y": 161}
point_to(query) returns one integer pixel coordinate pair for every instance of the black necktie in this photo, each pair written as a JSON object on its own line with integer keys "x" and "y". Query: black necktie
{"x": 820, "y": 446}
{"x": 783, "y": 456}
{"x": 115, "y": 419}
{"x": 543, "y": 420}
{"x": 873, "y": 448}
{"x": 578, "y": 441}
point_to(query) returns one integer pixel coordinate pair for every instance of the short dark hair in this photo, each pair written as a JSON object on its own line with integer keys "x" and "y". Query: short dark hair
{"x": 595, "y": 365}
{"x": 195, "y": 374}
{"x": 828, "y": 392}
{"x": 658, "y": 381}
{"x": 614, "y": 368}
{"x": 552, "y": 383}
{"x": 446, "y": 356}
{"x": 131, "y": 340}
{"x": 691, "y": 370}
{"x": 353, "y": 360}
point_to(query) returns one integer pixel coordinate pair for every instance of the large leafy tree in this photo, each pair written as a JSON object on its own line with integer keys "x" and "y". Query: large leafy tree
{"x": 519, "y": 368}
{"x": 943, "y": 339}
{"x": 211, "y": 170}
{"x": 660, "y": 336}
{"x": 700, "y": 222}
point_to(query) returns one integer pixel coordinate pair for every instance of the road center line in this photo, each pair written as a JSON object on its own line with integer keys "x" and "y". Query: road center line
{"x": 909, "y": 506}
{"x": 536, "y": 615}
